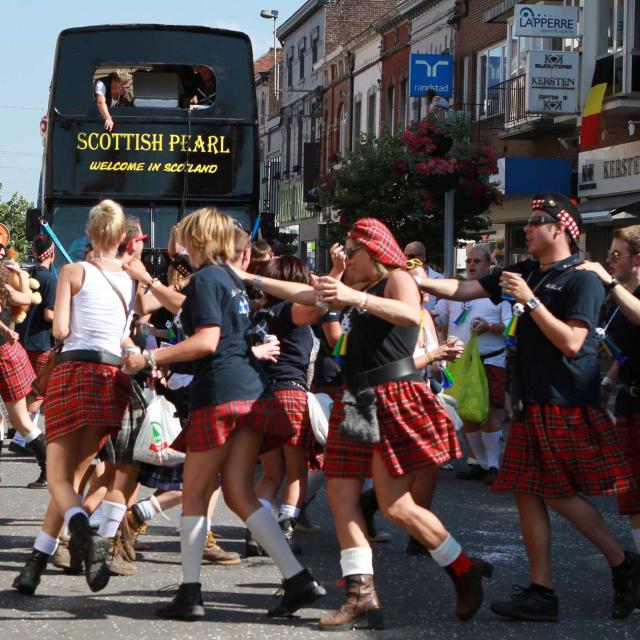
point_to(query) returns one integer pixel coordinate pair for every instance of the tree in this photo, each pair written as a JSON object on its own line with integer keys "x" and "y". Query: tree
{"x": 401, "y": 179}
{"x": 13, "y": 213}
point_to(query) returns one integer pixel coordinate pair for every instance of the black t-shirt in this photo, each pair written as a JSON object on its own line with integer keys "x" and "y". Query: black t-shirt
{"x": 326, "y": 372}
{"x": 215, "y": 296}
{"x": 546, "y": 375}
{"x": 296, "y": 344}
{"x": 626, "y": 335}
{"x": 34, "y": 330}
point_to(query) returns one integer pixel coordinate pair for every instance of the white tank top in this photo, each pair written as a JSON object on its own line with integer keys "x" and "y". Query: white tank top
{"x": 97, "y": 320}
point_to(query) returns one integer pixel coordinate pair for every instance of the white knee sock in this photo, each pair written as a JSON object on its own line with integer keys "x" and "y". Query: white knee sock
{"x": 265, "y": 503}
{"x": 45, "y": 543}
{"x": 636, "y": 538}
{"x": 69, "y": 513}
{"x": 477, "y": 448}
{"x": 193, "y": 533}
{"x": 19, "y": 439}
{"x": 491, "y": 442}
{"x": 112, "y": 514}
{"x": 146, "y": 509}
{"x": 356, "y": 561}
{"x": 32, "y": 435}
{"x": 315, "y": 481}
{"x": 95, "y": 519}
{"x": 447, "y": 552}
{"x": 288, "y": 511}
{"x": 267, "y": 532}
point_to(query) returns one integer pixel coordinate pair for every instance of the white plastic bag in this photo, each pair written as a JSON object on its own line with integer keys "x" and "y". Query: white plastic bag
{"x": 449, "y": 404}
{"x": 159, "y": 429}
{"x": 319, "y": 411}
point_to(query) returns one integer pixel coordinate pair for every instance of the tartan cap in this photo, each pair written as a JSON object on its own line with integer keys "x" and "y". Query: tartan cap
{"x": 561, "y": 208}
{"x": 379, "y": 242}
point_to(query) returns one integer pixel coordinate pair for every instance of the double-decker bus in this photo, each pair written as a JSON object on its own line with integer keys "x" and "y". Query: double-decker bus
{"x": 172, "y": 148}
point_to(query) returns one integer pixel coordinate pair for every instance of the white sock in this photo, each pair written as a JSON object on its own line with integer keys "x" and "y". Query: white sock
{"x": 477, "y": 448}
{"x": 367, "y": 484}
{"x": 267, "y": 532}
{"x": 491, "y": 442}
{"x": 45, "y": 543}
{"x": 32, "y": 435}
{"x": 208, "y": 524}
{"x": 146, "y": 509}
{"x": 356, "y": 561}
{"x": 65, "y": 530}
{"x": 95, "y": 519}
{"x": 69, "y": 513}
{"x": 265, "y": 503}
{"x": 447, "y": 552}
{"x": 288, "y": 511}
{"x": 315, "y": 481}
{"x": 19, "y": 439}
{"x": 112, "y": 514}
{"x": 34, "y": 418}
{"x": 636, "y": 538}
{"x": 193, "y": 533}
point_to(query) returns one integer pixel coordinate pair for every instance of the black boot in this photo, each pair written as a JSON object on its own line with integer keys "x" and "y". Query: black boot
{"x": 369, "y": 506}
{"x": 39, "y": 449}
{"x": 468, "y": 586}
{"x": 288, "y": 526}
{"x": 626, "y": 586}
{"x": 253, "y": 549}
{"x": 299, "y": 590}
{"x": 187, "y": 604}
{"x": 85, "y": 543}
{"x": 28, "y": 579}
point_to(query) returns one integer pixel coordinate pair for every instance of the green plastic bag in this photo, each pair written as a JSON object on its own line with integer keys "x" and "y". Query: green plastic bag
{"x": 470, "y": 386}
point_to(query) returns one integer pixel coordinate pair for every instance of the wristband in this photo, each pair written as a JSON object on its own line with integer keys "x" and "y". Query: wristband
{"x": 150, "y": 285}
{"x": 150, "y": 359}
{"x": 257, "y": 283}
{"x": 610, "y": 285}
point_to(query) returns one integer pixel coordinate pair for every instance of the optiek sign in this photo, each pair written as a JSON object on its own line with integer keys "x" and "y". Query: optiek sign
{"x": 545, "y": 20}
{"x": 428, "y": 71}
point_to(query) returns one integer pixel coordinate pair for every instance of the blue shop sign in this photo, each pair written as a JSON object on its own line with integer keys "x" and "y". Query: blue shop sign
{"x": 429, "y": 71}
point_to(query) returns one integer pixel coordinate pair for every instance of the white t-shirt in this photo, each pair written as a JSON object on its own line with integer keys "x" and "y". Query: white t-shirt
{"x": 431, "y": 302}
{"x": 448, "y": 310}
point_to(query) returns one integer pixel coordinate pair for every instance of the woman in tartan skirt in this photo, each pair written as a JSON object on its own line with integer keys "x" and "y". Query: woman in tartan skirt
{"x": 388, "y": 425}
{"x": 562, "y": 444}
{"x": 230, "y": 409}
{"x": 16, "y": 372}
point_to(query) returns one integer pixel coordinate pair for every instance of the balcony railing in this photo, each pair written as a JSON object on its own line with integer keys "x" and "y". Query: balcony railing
{"x": 505, "y": 104}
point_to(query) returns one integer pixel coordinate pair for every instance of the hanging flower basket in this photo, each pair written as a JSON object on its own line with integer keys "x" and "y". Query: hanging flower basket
{"x": 471, "y": 205}
{"x": 426, "y": 138}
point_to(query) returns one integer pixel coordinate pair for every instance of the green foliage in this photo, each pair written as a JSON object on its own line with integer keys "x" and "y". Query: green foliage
{"x": 13, "y": 214}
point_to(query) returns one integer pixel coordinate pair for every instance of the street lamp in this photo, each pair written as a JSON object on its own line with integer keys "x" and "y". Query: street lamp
{"x": 272, "y": 14}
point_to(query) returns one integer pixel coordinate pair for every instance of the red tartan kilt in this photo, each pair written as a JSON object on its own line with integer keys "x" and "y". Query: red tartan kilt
{"x": 629, "y": 428}
{"x": 38, "y": 359}
{"x": 294, "y": 428}
{"x": 555, "y": 452}
{"x": 415, "y": 431}
{"x": 83, "y": 395}
{"x": 16, "y": 372}
{"x": 210, "y": 427}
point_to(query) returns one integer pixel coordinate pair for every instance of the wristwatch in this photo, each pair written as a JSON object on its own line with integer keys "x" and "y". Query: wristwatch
{"x": 610, "y": 285}
{"x": 532, "y": 304}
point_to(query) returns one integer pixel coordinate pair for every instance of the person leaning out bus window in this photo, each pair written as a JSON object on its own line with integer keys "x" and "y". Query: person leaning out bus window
{"x": 112, "y": 91}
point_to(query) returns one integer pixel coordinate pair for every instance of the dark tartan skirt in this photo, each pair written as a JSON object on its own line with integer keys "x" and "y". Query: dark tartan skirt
{"x": 415, "y": 431}
{"x": 212, "y": 426}
{"x": 38, "y": 359}
{"x": 16, "y": 372}
{"x": 294, "y": 419}
{"x": 84, "y": 395}
{"x": 119, "y": 448}
{"x": 163, "y": 478}
{"x": 629, "y": 428}
{"x": 555, "y": 452}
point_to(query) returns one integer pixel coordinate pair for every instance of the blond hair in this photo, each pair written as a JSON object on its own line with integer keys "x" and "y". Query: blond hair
{"x": 241, "y": 241}
{"x": 630, "y": 235}
{"x": 210, "y": 233}
{"x": 106, "y": 224}
{"x": 122, "y": 76}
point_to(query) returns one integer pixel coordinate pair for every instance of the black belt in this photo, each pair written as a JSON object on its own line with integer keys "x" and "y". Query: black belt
{"x": 380, "y": 375}
{"x": 491, "y": 354}
{"x": 84, "y": 355}
{"x": 286, "y": 384}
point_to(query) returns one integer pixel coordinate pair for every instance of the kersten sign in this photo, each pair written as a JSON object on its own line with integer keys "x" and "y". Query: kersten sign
{"x": 552, "y": 82}
{"x": 545, "y": 20}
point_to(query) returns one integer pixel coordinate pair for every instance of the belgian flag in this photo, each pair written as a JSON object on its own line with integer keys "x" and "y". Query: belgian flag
{"x": 601, "y": 85}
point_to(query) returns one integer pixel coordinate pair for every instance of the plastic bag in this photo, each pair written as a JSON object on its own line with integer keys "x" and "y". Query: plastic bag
{"x": 319, "y": 410}
{"x": 470, "y": 386}
{"x": 159, "y": 429}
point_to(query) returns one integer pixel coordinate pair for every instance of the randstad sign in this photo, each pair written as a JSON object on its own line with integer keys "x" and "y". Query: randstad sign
{"x": 545, "y": 20}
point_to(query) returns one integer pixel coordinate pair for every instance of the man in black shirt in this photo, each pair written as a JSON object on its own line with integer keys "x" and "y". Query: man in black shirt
{"x": 562, "y": 444}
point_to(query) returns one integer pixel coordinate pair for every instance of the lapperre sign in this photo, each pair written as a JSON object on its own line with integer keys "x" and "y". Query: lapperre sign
{"x": 545, "y": 20}
{"x": 610, "y": 170}
{"x": 429, "y": 71}
{"x": 552, "y": 82}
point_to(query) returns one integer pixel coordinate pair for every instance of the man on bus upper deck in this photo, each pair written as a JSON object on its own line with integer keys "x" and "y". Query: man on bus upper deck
{"x": 113, "y": 91}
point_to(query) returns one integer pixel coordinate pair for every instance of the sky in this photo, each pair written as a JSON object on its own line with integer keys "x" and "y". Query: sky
{"x": 27, "y": 45}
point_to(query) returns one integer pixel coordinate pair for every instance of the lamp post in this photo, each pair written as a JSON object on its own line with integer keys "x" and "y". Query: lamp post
{"x": 272, "y": 14}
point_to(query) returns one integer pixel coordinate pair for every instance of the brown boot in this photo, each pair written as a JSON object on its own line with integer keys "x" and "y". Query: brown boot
{"x": 362, "y": 600}
{"x": 61, "y": 557}
{"x": 127, "y": 539}
{"x": 215, "y": 554}
{"x": 469, "y": 587}
{"x": 118, "y": 563}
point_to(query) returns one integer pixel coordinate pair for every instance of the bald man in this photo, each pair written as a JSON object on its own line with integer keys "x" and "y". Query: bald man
{"x": 417, "y": 251}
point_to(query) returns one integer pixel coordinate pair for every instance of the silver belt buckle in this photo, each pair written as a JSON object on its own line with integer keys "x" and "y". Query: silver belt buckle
{"x": 634, "y": 391}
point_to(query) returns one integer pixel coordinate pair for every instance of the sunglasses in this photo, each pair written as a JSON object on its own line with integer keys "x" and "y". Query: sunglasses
{"x": 615, "y": 255}
{"x": 535, "y": 221}
{"x": 141, "y": 238}
{"x": 351, "y": 251}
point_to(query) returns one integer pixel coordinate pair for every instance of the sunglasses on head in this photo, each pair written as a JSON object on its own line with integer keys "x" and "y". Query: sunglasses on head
{"x": 141, "y": 238}
{"x": 351, "y": 251}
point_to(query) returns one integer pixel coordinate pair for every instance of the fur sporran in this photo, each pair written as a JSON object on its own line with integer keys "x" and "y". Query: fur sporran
{"x": 360, "y": 416}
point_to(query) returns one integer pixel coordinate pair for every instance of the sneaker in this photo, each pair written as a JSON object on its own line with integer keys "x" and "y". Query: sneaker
{"x": 474, "y": 472}
{"x": 492, "y": 474}
{"x": 40, "y": 482}
{"x": 626, "y": 586}
{"x": 528, "y": 604}
{"x": 213, "y": 553}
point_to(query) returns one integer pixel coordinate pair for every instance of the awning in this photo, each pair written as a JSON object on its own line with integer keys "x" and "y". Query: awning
{"x": 629, "y": 202}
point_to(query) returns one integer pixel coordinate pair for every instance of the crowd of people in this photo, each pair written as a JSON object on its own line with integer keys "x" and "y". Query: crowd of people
{"x": 243, "y": 342}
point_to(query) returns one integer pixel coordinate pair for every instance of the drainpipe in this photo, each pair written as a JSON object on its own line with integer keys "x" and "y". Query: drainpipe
{"x": 350, "y": 67}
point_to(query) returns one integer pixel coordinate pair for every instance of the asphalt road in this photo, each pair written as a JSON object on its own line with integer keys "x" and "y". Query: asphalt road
{"x": 417, "y": 596}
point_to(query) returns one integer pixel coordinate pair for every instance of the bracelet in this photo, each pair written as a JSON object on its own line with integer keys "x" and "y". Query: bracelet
{"x": 150, "y": 285}
{"x": 363, "y": 300}
{"x": 610, "y": 285}
{"x": 429, "y": 357}
{"x": 257, "y": 283}
{"x": 150, "y": 359}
